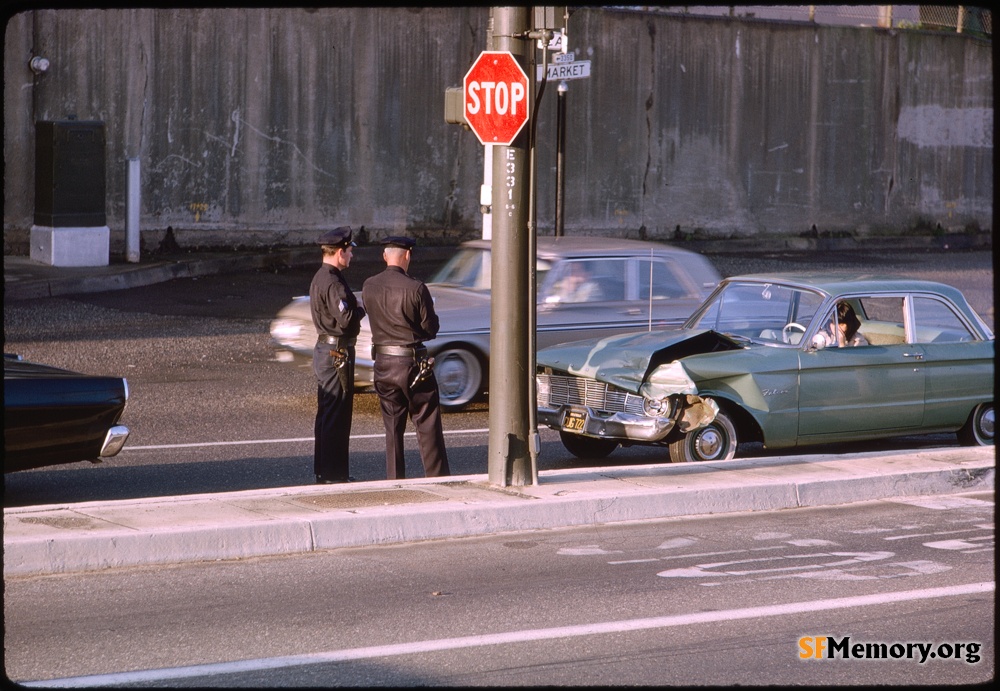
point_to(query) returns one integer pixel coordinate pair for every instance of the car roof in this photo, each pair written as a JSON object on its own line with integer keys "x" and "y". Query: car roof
{"x": 586, "y": 246}
{"x": 834, "y": 283}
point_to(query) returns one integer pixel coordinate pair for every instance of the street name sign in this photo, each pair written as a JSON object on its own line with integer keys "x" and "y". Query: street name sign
{"x": 496, "y": 97}
{"x": 566, "y": 70}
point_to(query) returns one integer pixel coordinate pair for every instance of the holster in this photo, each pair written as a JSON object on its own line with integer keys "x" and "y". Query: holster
{"x": 341, "y": 360}
{"x": 425, "y": 368}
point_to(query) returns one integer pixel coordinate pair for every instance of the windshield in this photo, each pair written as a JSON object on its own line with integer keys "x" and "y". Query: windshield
{"x": 763, "y": 312}
{"x": 470, "y": 268}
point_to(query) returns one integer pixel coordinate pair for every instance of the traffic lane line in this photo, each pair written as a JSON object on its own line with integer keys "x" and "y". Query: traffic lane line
{"x": 291, "y": 440}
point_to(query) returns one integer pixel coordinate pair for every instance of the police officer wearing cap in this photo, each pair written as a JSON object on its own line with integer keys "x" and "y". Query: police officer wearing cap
{"x": 336, "y": 315}
{"x": 401, "y": 314}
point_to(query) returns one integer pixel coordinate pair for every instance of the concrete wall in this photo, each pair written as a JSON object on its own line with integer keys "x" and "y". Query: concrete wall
{"x": 265, "y": 126}
{"x": 743, "y": 128}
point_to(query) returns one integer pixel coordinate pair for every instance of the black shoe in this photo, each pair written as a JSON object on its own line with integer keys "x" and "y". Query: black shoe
{"x": 320, "y": 480}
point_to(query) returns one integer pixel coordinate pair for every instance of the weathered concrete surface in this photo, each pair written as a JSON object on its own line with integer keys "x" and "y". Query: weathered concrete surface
{"x": 260, "y": 126}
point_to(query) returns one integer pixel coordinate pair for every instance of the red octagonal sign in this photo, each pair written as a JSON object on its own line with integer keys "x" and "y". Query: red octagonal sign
{"x": 496, "y": 97}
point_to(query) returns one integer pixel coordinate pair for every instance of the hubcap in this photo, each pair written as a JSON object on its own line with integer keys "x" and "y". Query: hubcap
{"x": 986, "y": 424}
{"x": 452, "y": 377}
{"x": 709, "y": 443}
{"x": 458, "y": 375}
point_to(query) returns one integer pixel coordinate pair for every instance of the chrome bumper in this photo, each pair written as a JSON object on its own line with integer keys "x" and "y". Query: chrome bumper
{"x": 364, "y": 368}
{"x": 364, "y": 371}
{"x": 114, "y": 440}
{"x": 613, "y": 425}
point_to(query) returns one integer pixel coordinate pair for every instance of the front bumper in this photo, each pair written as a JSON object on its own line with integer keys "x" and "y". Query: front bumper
{"x": 364, "y": 369}
{"x": 619, "y": 425}
{"x": 364, "y": 372}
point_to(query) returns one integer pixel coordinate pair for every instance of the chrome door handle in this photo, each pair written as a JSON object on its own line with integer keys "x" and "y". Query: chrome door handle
{"x": 915, "y": 356}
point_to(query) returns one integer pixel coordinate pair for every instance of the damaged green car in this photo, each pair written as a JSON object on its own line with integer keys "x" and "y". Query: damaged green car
{"x": 784, "y": 360}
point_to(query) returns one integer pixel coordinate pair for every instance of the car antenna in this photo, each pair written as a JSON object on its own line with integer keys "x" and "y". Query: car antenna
{"x": 650, "y": 310}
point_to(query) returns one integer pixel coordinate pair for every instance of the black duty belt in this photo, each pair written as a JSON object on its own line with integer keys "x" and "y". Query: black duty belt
{"x": 402, "y": 351}
{"x": 337, "y": 341}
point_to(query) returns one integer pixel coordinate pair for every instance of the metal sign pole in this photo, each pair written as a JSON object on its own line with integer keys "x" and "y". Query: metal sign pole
{"x": 508, "y": 459}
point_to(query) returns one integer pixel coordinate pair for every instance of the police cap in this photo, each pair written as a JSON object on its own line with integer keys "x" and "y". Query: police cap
{"x": 338, "y": 237}
{"x": 400, "y": 242}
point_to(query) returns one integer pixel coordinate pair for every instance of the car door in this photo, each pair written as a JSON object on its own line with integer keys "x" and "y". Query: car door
{"x": 958, "y": 362}
{"x": 856, "y": 392}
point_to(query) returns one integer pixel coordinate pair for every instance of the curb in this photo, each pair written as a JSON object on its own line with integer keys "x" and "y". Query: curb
{"x": 945, "y": 241}
{"x": 260, "y": 523}
{"x": 123, "y": 276}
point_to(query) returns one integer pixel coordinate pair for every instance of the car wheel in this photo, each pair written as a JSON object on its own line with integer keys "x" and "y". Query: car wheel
{"x": 587, "y": 447}
{"x": 980, "y": 428}
{"x": 459, "y": 375}
{"x": 716, "y": 442}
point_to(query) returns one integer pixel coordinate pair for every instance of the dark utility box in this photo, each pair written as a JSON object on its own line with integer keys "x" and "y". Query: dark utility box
{"x": 69, "y": 174}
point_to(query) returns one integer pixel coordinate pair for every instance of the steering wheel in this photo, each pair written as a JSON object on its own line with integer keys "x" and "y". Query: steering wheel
{"x": 786, "y": 334}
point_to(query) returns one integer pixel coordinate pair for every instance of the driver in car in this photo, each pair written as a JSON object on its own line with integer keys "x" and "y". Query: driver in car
{"x": 842, "y": 331}
{"x": 576, "y": 286}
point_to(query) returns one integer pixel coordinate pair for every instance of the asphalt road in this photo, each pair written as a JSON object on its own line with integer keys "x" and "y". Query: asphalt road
{"x": 721, "y": 600}
{"x": 210, "y": 411}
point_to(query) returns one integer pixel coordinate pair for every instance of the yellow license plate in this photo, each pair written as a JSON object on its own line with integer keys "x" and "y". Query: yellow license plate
{"x": 575, "y": 421}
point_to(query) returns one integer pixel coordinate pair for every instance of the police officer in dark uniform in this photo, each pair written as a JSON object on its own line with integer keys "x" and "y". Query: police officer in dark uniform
{"x": 337, "y": 317}
{"x": 401, "y": 314}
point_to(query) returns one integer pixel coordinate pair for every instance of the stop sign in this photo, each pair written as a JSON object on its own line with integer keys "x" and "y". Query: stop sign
{"x": 496, "y": 97}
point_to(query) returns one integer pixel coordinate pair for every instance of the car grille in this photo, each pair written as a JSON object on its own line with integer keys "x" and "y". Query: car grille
{"x": 555, "y": 390}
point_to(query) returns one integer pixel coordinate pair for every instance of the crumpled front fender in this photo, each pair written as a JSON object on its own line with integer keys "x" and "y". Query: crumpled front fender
{"x": 697, "y": 413}
{"x": 668, "y": 380}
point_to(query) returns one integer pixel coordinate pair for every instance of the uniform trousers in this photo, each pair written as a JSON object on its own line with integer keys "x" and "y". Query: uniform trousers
{"x": 334, "y": 409}
{"x": 393, "y": 374}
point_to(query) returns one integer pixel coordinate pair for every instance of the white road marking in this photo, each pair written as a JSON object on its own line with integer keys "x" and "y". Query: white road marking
{"x": 678, "y": 542}
{"x": 963, "y": 545}
{"x": 923, "y": 567}
{"x": 586, "y": 550}
{"x": 840, "y": 559}
{"x": 812, "y": 542}
{"x": 934, "y": 534}
{"x": 699, "y": 555}
{"x": 944, "y": 502}
{"x": 512, "y": 637}
{"x": 293, "y": 440}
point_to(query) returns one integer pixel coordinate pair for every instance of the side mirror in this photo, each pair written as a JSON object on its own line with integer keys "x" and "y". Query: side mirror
{"x": 819, "y": 341}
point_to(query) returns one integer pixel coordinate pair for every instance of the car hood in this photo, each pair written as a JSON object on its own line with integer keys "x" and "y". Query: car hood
{"x": 626, "y": 360}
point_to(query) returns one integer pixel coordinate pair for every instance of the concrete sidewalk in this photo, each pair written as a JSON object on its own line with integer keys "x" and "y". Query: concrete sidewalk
{"x": 237, "y": 525}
